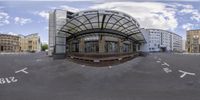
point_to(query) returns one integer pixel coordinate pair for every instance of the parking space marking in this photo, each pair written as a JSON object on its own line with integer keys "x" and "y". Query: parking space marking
{"x": 109, "y": 66}
{"x": 186, "y": 73}
{"x": 22, "y": 70}
{"x": 167, "y": 70}
{"x": 38, "y": 60}
{"x": 165, "y": 64}
{"x": 158, "y": 61}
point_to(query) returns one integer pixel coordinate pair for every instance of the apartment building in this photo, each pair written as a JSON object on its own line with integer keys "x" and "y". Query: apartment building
{"x": 9, "y": 43}
{"x": 30, "y": 43}
{"x": 193, "y": 41}
{"x": 162, "y": 40}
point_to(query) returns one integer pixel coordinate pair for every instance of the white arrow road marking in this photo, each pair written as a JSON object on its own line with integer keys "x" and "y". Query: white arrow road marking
{"x": 22, "y": 70}
{"x": 165, "y": 64}
{"x": 167, "y": 70}
{"x": 185, "y": 73}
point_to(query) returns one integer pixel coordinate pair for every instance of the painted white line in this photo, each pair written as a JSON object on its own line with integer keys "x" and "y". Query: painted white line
{"x": 185, "y": 73}
{"x": 109, "y": 66}
{"x": 22, "y": 70}
{"x": 167, "y": 70}
{"x": 39, "y": 60}
{"x": 158, "y": 61}
{"x": 82, "y": 65}
{"x": 165, "y": 64}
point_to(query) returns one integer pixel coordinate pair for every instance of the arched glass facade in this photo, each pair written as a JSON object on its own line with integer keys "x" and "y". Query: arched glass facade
{"x": 100, "y": 32}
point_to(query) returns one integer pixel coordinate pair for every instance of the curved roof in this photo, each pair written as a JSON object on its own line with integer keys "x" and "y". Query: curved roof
{"x": 96, "y": 21}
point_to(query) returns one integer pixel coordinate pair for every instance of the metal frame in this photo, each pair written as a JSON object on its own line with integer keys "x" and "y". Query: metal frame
{"x": 102, "y": 25}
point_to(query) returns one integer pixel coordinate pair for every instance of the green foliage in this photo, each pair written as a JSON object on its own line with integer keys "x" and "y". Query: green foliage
{"x": 44, "y": 47}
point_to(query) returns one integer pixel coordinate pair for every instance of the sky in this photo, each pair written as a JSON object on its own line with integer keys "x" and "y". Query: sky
{"x": 26, "y": 17}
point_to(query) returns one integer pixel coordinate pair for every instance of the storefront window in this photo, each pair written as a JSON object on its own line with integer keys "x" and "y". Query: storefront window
{"x": 91, "y": 46}
{"x": 111, "y": 46}
{"x": 75, "y": 47}
{"x": 126, "y": 47}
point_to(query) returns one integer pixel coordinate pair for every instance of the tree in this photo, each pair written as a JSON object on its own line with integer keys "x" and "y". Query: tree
{"x": 44, "y": 47}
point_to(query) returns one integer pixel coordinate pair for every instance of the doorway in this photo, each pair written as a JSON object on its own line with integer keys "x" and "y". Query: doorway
{"x": 163, "y": 49}
{"x": 1, "y": 48}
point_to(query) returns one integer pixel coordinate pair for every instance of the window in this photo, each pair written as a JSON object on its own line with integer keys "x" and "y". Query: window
{"x": 111, "y": 46}
{"x": 126, "y": 47}
{"x": 75, "y": 47}
{"x": 91, "y": 46}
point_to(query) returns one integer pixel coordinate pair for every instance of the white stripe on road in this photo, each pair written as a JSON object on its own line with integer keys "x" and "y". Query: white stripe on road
{"x": 165, "y": 64}
{"x": 158, "y": 61}
{"x": 185, "y": 73}
{"x": 22, "y": 70}
{"x": 167, "y": 70}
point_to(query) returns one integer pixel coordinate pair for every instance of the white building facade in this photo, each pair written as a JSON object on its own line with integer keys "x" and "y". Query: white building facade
{"x": 162, "y": 40}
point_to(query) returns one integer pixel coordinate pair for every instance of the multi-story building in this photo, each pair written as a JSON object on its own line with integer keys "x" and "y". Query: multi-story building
{"x": 57, "y": 19}
{"x": 20, "y": 43}
{"x": 9, "y": 43}
{"x": 30, "y": 43}
{"x": 193, "y": 41}
{"x": 162, "y": 40}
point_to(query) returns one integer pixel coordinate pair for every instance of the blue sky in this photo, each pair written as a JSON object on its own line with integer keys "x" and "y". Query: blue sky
{"x": 25, "y": 17}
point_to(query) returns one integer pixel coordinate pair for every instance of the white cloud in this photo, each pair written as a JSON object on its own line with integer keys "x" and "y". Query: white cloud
{"x": 12, "y": 33}
{"x": 22, "y": 21}
{"x": 65, "y": 7}
{"x": 187, "y": 26}
{"x": 148, "y": 14}
{"x": 43, "y": 14}
{"x": 4, "y": 18}
{"x": 189, "y": 9}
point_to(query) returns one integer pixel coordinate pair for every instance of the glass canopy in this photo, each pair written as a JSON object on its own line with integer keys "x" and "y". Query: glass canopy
{"x": 115, "y": 22}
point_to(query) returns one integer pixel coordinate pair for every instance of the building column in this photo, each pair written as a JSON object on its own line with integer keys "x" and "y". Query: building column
{"x": 81, "y": 45}
{"x": 131, "y": 47}
{"x": 120, "y": 46}
{"x": 101, "y": 44}
{"x": 136, "y": 45}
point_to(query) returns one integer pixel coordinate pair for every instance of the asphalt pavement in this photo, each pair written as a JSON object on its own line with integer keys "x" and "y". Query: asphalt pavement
{"x": 158, "y": 76}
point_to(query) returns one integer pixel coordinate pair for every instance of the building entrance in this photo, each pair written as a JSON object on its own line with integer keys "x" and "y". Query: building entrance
{"x": 1, "y": 48}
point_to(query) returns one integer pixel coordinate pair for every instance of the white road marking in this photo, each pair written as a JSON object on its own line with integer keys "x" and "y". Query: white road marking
{"x": 82, "y": 65}
{"x": 158, "y": 61}
{"x": 8, "y": 80}
{"x": 39, "y": 60}
{"x": 109, "y": 66}
{"x": 22, "y": 70}
{"x": 165, "y": 64}
{"x": 185, "y": 73}
{"x": 167, "y": 70}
